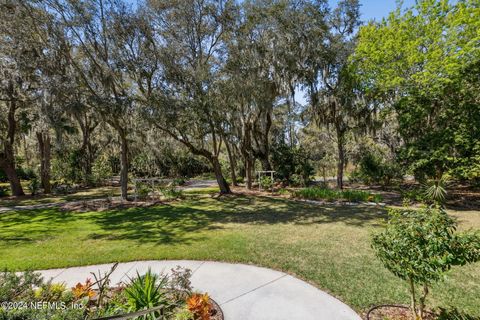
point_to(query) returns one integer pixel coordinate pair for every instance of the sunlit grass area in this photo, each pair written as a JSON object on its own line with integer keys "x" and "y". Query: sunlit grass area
{"x": 328, "y": 246}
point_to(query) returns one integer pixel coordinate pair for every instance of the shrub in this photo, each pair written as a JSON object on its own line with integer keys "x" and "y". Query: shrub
{"x": 171, "y": 192}
{"x": 50, "y": 292}
{"x": 374, "y": 169}
{"x": 414, "y": 194}
{"x": 333, "y": 195}
{"x": 168, "y": 293}
{"x": 101, "y": 169}
{"x": 18, "y": 286}
{"x": 143, "y": 190}
{"x": 146, "y": 291}
{"x": 200, "y": 306}
{"x": 292, "y": 164}
{"x": 179, "y": 284}
{"x": 266, "y": 183}
{"x": 3, "y": 191}
{"x": 420, "y": 246}
{"x": 34, "y": 186}
{"x": 3, "y": 176}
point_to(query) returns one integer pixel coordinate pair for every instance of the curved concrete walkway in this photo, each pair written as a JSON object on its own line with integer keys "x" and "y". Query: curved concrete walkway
{"x": 244, "y": 292}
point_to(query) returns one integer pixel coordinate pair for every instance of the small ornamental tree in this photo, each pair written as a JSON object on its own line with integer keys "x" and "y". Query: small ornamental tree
{"x": 419, "y": 246}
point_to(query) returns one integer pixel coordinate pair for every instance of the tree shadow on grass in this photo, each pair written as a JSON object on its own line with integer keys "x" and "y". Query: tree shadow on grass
{"x": 33, "y": 225}
{"x": 184, "y": 222}
{"x": 160, "y": 225}
{"x": 265, "y": 210}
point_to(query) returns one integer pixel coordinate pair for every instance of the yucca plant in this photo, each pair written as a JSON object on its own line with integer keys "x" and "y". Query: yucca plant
{"x": 435, "y": 190}
{"x": 145, "y": 292}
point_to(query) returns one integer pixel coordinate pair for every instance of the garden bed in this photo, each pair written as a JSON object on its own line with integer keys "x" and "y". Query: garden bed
{"x": 151, "y": 295}
{"x": 394, "y": 312}
{"x": 105, "y": 204}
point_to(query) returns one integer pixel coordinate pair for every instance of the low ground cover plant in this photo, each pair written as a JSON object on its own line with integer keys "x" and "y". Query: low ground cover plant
{"x": 322, "y": 193}
{"x": 170, "y": 297}
{"x": 420, "y": 246}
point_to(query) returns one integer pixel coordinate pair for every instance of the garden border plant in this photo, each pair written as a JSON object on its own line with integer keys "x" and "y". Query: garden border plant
{"x": 420, "y": 246}
{"x": 149, "y": 296}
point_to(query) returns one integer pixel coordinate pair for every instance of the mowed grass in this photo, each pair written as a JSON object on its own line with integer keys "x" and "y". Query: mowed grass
{"x": 328, "y": 246}
{"x": 82, "y": 194}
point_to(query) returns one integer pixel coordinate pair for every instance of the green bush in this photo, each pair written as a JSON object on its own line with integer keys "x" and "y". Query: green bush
{"x": 101, "y": 170}
{"x": 420, "y": 246}
{"x": 413, "y": 194}
{"x": 34, "y": 186}
{"x": 15, "y": 287}
{"x": 143, "y": 190}
{"x": 334, "y": 195}
{"x": 142, "y": 292}
{"x": 171, "y": 192}
{"x": 266, "y": 183}
{"x": 374, "y": 169}
{"x": 292, "y": 164}
{"x": 4, "y": 191}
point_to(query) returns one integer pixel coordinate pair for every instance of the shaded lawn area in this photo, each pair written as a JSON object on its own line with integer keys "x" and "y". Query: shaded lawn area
{"x": 329, "y": 245}
{"x": 82, "y": 194}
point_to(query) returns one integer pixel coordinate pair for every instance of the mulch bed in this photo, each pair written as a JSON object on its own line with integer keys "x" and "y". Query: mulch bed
{"x": 216, "y": 312}
{"x": 394, "y": 312}
{"x": 105, "y": 204}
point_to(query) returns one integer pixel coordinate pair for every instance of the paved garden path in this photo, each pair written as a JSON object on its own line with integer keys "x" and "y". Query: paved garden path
{"x": 244, "y": 292}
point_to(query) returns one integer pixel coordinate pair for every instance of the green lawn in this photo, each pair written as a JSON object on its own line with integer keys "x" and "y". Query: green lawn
{"x": 98, "y": 192}
{"x": 325, "y": 245}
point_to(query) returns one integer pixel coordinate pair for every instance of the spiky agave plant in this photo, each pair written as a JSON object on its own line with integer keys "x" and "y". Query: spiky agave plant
{"x": 147, "y": 291}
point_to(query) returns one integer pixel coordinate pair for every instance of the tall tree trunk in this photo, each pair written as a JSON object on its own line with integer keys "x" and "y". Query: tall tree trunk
{"x": 341, "y": 157}
{"x": 249, "y": 171}
{"x": 86, "y": 149}
{"x": 233, "y": 163}
{"x": 45, "y": 156}
{"x": 7, "y": 157}
{"x": 123, "y": 164}
{"x": 8, "y": 166}
{"x": 217, "y": 169}
{"x": 87, "y": 128}
{"x": 25, "y": 151}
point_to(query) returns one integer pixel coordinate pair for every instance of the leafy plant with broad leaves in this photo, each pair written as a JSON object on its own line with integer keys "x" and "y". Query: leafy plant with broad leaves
{"x": 420, "y": 246}
{"x": 266, "y": 183}
{"x": 200, "y": 306}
